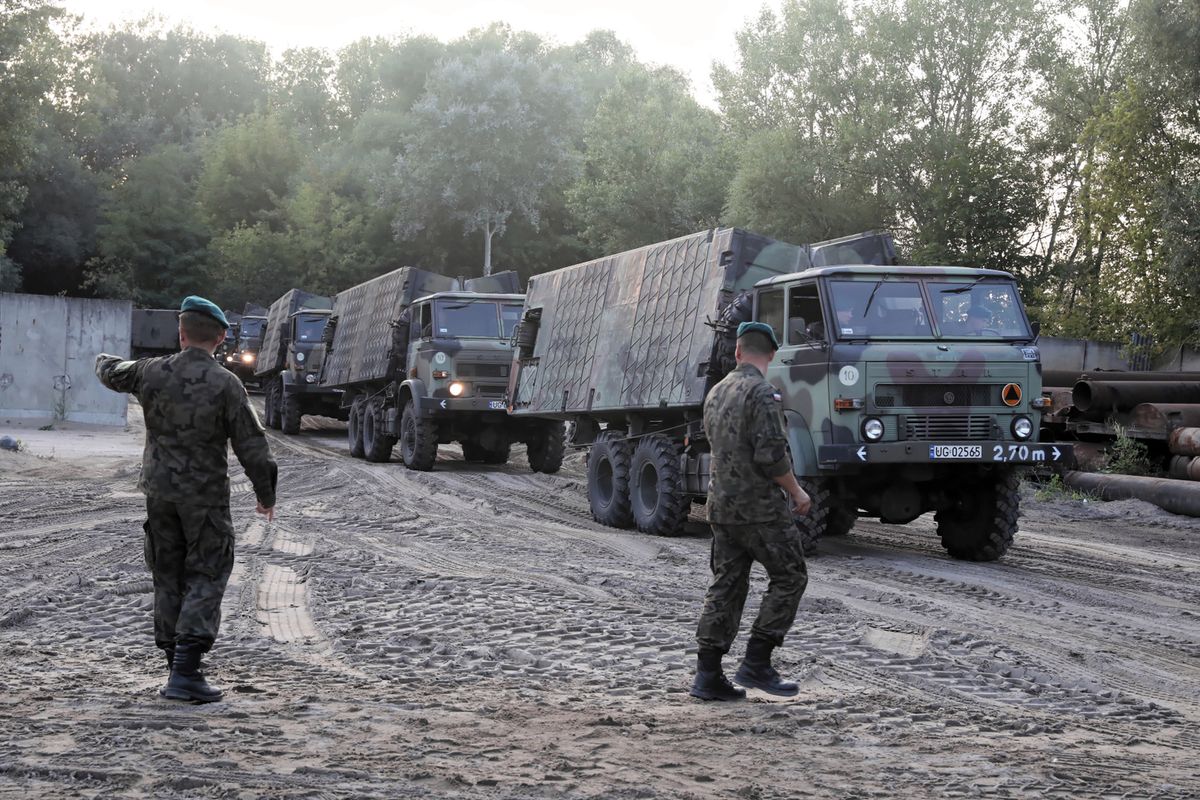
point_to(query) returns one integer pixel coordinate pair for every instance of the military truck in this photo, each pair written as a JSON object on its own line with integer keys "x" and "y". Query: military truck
{"x": 289, "y": 362}
{"x": 153, "y": 332}
{"x": 422, "y": 359}
{"x": 242, "y": 360}
{"x": 895, "y": 402}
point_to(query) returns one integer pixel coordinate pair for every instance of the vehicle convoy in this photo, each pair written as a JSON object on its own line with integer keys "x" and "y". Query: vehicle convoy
{"x": 153, "y": 332}
{"x": 903, "y": 389}
{"x": 242, "y": 360}
{"x": 289, "y": 363}
{"x": 422, "y": 359}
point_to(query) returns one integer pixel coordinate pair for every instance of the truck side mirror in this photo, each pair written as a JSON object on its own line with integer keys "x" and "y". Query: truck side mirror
{"x": 1037, "y": 330}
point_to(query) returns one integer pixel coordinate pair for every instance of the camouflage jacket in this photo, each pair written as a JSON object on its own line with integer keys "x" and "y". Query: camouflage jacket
{"x": 193, "y": 408}
{"x": 744, "y": 426}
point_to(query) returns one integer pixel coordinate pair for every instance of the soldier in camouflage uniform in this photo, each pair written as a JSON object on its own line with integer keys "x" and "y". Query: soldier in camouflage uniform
{"x": 193, "y": 409}
{"x": 751, "y": 521}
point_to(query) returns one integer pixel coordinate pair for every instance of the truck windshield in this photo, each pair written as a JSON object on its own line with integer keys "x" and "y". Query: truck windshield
{"x": 252, "y": 328}
{"x": 962, "y": 308}
{"x": 309, "y": 327}
{"x": 509, "y": 317}
{"x": 468, "y": 318}
{"x": 978, "y": 309}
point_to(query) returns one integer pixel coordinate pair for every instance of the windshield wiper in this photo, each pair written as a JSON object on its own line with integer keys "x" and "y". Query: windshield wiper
{"x": 966, "y": 287}
{"x": 871, "y": 299}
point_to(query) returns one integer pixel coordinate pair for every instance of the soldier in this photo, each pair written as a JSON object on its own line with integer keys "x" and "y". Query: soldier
{"x": 193, "y": 409}
{"x": 751, "y": 521}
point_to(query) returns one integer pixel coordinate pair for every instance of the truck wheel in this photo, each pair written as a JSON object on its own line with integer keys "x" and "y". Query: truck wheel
{"x": 271, "y": 405}
{"x": 290, "y": 418}
{"x": 982, "y": 526}
{"x": 473, "y": 452}
{"x": 841, "y": 521}
{"x": 498, "y": 455}
{"x": 354, "y": 427}
{"x": 418, "y": 440}
{"x": 608, "y": 480}
{"x": 377, "y": 445}
{"x": 546, "y": 450}
{"x": 815, "y": 523}
{"x": 656, "y": 487}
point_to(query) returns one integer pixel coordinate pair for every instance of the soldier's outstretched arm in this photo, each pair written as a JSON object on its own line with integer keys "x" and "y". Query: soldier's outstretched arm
{"x": 251, "y": 448}
{"x": 119, "y": 374}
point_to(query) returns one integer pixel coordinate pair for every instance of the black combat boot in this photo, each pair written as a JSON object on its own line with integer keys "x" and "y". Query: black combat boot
{"x": 186, "y": 682}
{"x": 711, "y": 683}
{"x": 170, "y": 652}
{"x": 756, "y": 671}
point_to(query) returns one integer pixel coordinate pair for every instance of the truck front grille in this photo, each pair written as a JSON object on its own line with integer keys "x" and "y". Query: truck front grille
{"x": 493, "y": 390}
{"x": 936, "y": 395}
{"x": 481, "y": 370}
{"x": 946, "y": 427}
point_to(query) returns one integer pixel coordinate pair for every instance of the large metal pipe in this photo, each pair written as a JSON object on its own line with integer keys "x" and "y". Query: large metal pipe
{"x": 1184, "y": 468}
{"x": 1162, "y": 418}
{"x": 1095, "y": 400}
{"x": 1184, "y": 442}
{"x": 1070, "y": 377}
{"x": 1178, "y": 497}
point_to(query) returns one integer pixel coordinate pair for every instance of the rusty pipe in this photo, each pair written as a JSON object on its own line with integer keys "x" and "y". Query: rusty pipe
{"x": 1095, "y": 400}
{"x": 1184, "y": 468}
{"x": 1184, "y": 442}
{"x": 1178, "y": 497}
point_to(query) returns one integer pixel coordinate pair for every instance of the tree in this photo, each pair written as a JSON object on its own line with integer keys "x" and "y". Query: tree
{"x": 246, "y": 172}
{"x": 303, "y": 92}
{"x": 656, "y": 164}
{"x": 487, "y": 139}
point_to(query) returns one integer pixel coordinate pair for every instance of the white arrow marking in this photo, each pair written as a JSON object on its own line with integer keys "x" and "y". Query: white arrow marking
{"x": 862, "y": 453}
{"x": 443, "y": 404}
{"x": 1056, "y": 451}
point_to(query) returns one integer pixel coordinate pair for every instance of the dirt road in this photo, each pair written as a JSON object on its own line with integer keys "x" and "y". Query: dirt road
{"x": 471, "y": 633}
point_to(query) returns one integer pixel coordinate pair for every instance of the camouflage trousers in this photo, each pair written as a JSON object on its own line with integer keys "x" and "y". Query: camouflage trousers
{"x": 189, "y": 550}
{"x": 735, "y": 548}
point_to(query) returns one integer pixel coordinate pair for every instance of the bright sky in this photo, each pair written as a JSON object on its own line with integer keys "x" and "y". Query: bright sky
{"x": 686, "y": 34}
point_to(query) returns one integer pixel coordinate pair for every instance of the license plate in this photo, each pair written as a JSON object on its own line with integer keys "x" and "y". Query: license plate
{"x": 944, "y": 452}
{"x": 498, "y": 405}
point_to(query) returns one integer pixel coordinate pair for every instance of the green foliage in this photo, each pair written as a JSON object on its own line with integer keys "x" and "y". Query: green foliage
{"x": 1128, "y": 456}
{"x": 246, "y": 172}
{"x": 1055, "y": 489}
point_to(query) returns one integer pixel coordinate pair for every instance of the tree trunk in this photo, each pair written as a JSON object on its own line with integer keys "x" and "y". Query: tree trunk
{"x": 488, "y": 231}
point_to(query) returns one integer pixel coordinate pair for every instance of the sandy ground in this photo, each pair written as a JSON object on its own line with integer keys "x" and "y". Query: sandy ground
{"x": 472, "y": 633}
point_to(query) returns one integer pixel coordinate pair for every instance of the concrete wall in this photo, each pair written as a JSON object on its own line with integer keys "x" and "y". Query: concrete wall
{"x": 1081, "y": 355}
{"x": 1180, "y": 359}
{"x": 48, "y": 346}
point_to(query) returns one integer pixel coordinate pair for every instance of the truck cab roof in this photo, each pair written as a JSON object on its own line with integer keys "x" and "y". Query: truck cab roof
{"x": 867, "y": 270}
{"x": 516, "y": 298}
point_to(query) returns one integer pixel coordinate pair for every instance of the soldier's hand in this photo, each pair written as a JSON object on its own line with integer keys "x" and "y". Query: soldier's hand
{"x": 269, "y": 513}
{"x": 801, "y": 502}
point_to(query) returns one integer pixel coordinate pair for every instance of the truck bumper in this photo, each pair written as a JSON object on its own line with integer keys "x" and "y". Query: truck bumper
{"x": 1041, "y": 454}
{"x": 437, "y": 406}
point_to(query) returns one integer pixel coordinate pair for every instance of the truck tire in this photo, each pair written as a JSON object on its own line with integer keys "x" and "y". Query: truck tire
{"x": 377, "y": 445}
{"x": 418, "y": 439}
{"x": 656, "y": 488}
{"x": 982, "y": 526}
{"x": 840, "y": 522}
{"x": 473, "y": 452}
{"x": 815, "y": 523}
{"x": 289, "y": 418}
{"x": 354, "y": 427}
{"x": 547, "y": 448}
{"x": 497, "y": 455}
{"x": 608, "y": 480}
{"x": 271, "y": 404}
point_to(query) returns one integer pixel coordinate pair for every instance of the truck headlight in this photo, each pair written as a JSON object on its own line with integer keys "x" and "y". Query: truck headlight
{"x": 1022, "y": 428}
{"x": 247, "y": 358}
{"x": 872, "y": 429}
{"x": 456, "y": 389}
{"x": 299, "y": 358}
{"x": 310, "y": 378}
{"x": 229, "y": 359}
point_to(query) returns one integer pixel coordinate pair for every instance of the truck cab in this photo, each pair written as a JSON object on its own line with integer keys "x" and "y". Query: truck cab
{"x": 243, "y": 360}
{"x": 906, "y": 390}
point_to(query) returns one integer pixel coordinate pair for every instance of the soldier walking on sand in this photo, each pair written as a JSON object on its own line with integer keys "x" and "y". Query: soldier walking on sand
{"x": 751, "y": 521}
{"x": 193, "y": 408}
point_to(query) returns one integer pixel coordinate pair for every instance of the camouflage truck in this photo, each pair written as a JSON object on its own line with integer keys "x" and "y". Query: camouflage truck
{"x": 153, "y": 332}
{"x": 422, "y": 359}
{"x": 289, "y": 362}
{"x": 895, "y": 400}
{"x": 244, "y": 358}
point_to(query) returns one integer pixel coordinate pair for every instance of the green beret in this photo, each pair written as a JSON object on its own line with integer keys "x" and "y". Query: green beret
{"x": 758, "y": 327}
{"x": 206, "y": 307}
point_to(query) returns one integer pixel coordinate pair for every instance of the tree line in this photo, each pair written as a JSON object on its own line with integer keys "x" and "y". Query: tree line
{"x": 1056, "y": 139}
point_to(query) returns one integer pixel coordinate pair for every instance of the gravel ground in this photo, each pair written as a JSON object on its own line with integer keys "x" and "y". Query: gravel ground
{"x": 470, "y": 632}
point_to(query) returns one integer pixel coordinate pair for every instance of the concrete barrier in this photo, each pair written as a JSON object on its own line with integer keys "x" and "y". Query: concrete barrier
{"x": 48, "y": 346}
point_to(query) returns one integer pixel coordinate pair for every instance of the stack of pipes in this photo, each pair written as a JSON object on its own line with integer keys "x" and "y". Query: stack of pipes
{"x": 1184, "y": 445}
